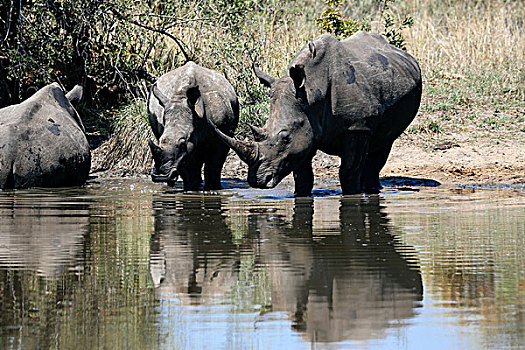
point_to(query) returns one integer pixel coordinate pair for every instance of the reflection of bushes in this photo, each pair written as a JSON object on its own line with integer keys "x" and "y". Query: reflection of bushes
{"x": 57, "y": 312}
{"x": 470, "y": 257}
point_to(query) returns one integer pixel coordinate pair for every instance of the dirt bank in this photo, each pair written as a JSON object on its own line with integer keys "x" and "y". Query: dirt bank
{"x": 450, "y": 158}
{"x": 456, "y": 162}
{"x": 448, "y": 163}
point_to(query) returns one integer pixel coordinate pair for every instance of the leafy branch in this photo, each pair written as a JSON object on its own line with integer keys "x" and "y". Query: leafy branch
{"x": 333, "y": 21}
{"x": 156, "y": 30}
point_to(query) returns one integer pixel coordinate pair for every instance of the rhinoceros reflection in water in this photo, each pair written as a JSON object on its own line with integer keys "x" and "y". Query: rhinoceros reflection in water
{"x": 41, "y": 235}
{"x": 340, "y": 283}
{"x": 191, "y": 253}
{"x": 337, "y": 282}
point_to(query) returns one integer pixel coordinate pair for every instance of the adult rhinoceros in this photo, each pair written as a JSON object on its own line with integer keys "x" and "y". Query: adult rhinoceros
{"x": 42, "y": 141}
{"x": 179, "y": 105}
{"x": 349, "y": 98}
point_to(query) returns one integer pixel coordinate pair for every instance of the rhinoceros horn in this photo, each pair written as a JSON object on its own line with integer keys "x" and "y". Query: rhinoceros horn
{"x": 265, "y": 78}
{"x": 248, "y": 151}
{"x": 75, "y": 94}
{"x": 258, "y": 133}
{"x": 156, "y": 151}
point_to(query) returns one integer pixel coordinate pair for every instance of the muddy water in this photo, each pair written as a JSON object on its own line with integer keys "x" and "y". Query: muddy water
{"x": 133, "y": 265}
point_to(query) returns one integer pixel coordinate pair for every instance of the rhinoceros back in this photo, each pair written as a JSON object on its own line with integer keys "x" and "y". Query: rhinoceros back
{"x": 361, "y": 77}
{"x": 219, "y": 97}
{"x": 46, "y": 142}
{"x": 388, "y": 72}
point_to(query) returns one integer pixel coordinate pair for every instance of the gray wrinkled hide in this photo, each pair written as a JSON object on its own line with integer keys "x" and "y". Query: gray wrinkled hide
{"x": 203, "y": 146}
{"x": 350, "y": 98}
{"x": 42, "y": 142}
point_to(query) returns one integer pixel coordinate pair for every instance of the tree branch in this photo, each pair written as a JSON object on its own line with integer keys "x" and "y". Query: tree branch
{"x": 153, "y": 29}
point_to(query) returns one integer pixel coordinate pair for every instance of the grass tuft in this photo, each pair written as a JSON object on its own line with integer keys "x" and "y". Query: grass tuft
{"x": 127, "y": 150}
{"x": 472, "y": 55}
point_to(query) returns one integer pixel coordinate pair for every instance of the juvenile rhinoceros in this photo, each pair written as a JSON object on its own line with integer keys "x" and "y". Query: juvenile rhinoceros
{"x": 42, "y": 141}
{"x": 349, "y": 98}
{"x": 179, "y": 105}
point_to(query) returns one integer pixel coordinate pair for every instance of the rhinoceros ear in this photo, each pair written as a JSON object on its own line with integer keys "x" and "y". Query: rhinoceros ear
{"x": 259, "y": 134}
{"x": 163, "y": 100}
{"x": 265, "y": 78}
{"x": 195, "y": 101}
{"x": 311, "y": 47}
{"x": 298, "y": 76}
{"x": 75, "y": 94}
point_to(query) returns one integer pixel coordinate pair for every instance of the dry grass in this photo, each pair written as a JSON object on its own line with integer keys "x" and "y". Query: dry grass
{"x": 472, "y": 55}
{"x": 127, "y": 151}
{"x": 469, "y": 38}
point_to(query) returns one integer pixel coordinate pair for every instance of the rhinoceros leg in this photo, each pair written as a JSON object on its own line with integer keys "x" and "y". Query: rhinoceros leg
{"x": 354, "y": 151}
{"x": 212, "y": 177}
{"x": 374, "y": 162}
{"x": 213, "y": 168}
{"x": 394, "y": 121}
{"x": 191, "y": 176}
{"x": 7, "y": 178}
{"x": 304, "y": 178}
{"x": 6, "y": 163}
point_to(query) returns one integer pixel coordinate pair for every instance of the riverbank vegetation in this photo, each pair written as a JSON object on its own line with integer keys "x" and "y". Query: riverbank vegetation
{"x": 472, "y": 55}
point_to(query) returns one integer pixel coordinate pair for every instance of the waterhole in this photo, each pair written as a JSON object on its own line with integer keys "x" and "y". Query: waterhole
{"x": 129, "y": 264}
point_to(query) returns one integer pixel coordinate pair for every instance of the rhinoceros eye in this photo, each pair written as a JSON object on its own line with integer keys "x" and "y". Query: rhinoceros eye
{"x": 284, "y": 136}
{"x": 182, "y": 144}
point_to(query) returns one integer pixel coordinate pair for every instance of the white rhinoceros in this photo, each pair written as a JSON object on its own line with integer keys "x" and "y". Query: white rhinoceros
{"x": 350, "y": 98}
{"x": 43, "y": 141}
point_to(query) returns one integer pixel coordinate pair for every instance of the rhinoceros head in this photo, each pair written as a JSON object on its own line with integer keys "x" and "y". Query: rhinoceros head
{"x": 287, "y": 138}
{"x": 177, "y": 142}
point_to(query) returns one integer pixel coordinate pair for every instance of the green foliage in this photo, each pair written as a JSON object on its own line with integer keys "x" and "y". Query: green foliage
{"x": 117, "y": 49}
{"x": 239, "y": 34}
{"x": 90, "y": 42}
{"x": 253, "y": 113}
{"x": 392, "y": 29}
{"x": 426, "y": 127}
{"x": 434, "y": 127}
{"x": 333, "y": 21}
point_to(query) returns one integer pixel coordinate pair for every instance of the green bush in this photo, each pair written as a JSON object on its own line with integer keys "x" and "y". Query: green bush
{"x": 116, "y": 49}
{"x": 335, "y": 22}
{"x": 91, "y": 42}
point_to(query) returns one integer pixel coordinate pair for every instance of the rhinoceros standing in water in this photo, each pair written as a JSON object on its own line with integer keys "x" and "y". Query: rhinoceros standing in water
{"x": 179, "y": 105}
{"x": 43, "y": 142}
{"x": 349, "y": 98}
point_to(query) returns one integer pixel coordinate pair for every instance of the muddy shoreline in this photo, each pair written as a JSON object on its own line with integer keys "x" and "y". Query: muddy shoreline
{"x": 482, "y": 162}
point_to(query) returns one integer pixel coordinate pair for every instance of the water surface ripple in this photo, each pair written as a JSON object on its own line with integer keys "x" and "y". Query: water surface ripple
{"x": 127, "y": 264}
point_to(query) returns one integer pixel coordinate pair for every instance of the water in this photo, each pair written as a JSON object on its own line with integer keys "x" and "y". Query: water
{"x": 127, "y": 264}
